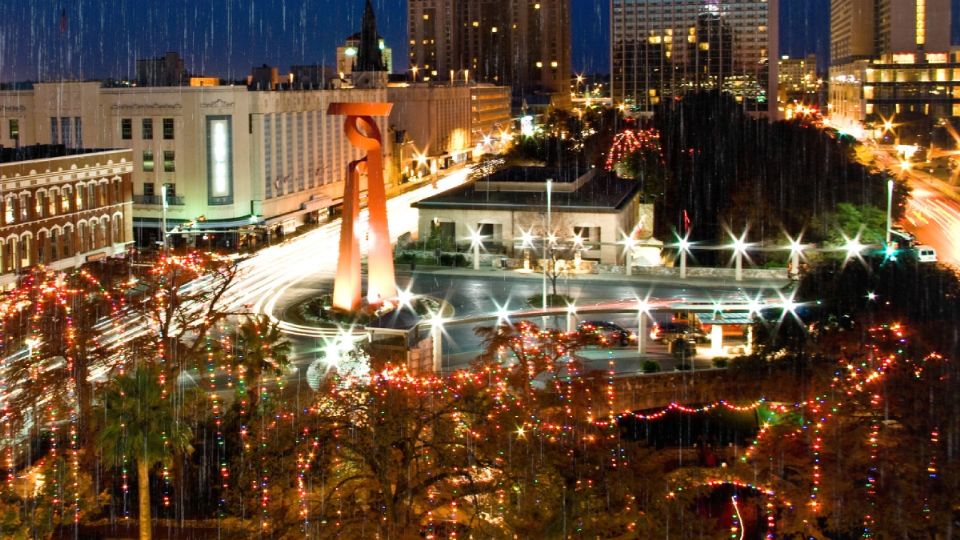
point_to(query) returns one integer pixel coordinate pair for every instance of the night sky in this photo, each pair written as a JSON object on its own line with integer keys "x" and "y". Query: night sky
{"x": 103, "y": 38}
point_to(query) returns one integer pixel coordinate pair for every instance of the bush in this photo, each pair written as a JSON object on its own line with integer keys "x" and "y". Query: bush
{"x": 720, "y": 363}
{"x": 651, "y": 366}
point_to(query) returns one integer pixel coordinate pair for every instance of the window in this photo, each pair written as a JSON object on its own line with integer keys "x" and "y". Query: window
{"x": 78, "y": 132}
{"x": 171, "y": 190}
{"x": 168, "y": 129}
{"x": 126, "y": 129}
{"x": 65, "y": 132}
{"x": 91, "y": 195}
{"x": 169, "y": 162}
{"x": 147, "y": 129}
{"x": 8, "y": 215}
{"x": 148, "y": 161}
{"x": 14, "y": 129}
{"x": 24, "y": 249}
{"x": 53, "y": 130}
{"x": 67, "y": 242}
{"x": 39, "y": 204}
{"x": 148, "y": 190}
{"x": 52, "y": 200}
{"x": 79, "y": 198}
{"x": 24, "y": 208}
{"x": 54, "y": 245}
{"x": 117, "y": 192}
{"x": 65, "y": 199}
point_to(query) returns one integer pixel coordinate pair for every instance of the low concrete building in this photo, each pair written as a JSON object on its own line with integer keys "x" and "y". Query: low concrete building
{"x": 61, "y": 207}
{"x": 591, "y": 212}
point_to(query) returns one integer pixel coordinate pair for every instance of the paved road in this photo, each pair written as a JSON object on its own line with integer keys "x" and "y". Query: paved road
{"x": 932, "y": 215}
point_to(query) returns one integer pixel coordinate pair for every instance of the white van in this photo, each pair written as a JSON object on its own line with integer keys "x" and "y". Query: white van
{"x": 926, "y": 254}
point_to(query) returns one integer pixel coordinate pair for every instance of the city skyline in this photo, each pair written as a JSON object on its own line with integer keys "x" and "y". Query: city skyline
{"x": 69, "y": 42}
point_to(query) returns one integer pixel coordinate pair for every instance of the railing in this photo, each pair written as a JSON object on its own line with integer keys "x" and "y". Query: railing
{"x": 172, "y": 200}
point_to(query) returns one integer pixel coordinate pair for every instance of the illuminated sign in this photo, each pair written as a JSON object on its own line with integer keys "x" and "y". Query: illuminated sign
{"x": 526, "y": 126}
{"x": 219, "y": 160}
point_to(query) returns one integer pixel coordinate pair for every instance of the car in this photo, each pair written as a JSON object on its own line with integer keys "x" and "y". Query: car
{"x": 926, "y": 254}
{"x": 668, "y": 332}
{"x": 609, "y": 332}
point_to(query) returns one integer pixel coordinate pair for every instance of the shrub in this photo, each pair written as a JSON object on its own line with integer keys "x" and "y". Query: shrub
{"x": 651, "y": 366}
{"x": 720, "y": 362}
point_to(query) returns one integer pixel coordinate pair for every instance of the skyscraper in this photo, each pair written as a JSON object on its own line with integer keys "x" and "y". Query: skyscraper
{"x": 892, "y": 58}
{"x": 519, "y": 43}
{"x": 661, "y": 49}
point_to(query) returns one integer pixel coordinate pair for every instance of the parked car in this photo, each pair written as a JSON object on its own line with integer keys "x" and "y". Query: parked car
{"x": 926, "y": 254}
{"x": 609, "y": 332}
{"x": 668, "y": 332}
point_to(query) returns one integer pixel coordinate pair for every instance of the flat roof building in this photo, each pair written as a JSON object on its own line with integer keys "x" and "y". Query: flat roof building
{"x": 62, "y": 207}
{"x": 661, "y": 49}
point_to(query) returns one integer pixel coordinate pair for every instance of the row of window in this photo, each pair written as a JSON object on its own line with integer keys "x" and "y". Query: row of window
{"x": 146, "y": 129}
{"x": 25, "y": 207}
{"x": 61, "y": 131}
{"x": 169, "y": 161}
{"x": 50, "y": 246}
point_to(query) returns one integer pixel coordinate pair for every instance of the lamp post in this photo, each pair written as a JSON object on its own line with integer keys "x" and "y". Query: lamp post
{"x": 796, "y": 249}
{"x": 629, "y": 243}
{"x": 545, "y": 241}
{"x": 739, "y": 249}
{"x": 163, "y": 216}
{"x": 571, "y": 318}
{"x": 476, "y": 240}
{"x": 889, "y": 207}
{"x": 436, "y": 335}
{"x": 643, "y": 308}
{"x": 684, "y": 245}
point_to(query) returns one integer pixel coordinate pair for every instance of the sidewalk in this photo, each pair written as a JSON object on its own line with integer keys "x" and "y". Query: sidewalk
{"x": 492, "y": 273}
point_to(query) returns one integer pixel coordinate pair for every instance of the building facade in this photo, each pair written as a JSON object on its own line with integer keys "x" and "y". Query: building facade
{"x": 591, "y": 212}
{"x": 799, "y": 85}
{"x": 892, "y": 58}
{"x": 226, "y": 158}
{"x": 517, "y": 43}
{"x": 661, "y": 49}
{"x": 432, "y": 127}
{"x": 491, "y": 123}
{"x": 61, "y": 208}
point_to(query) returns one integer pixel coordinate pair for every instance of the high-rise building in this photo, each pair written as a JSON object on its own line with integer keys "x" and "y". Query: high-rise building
{"x": 166, "y": 70}
{"x": 661, "y": 49}
{"x": 892, "y": 58}
{"x": 518, "y": 43}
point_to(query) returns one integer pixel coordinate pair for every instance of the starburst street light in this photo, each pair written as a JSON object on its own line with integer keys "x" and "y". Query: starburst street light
{"x": 436, "y": 335}
{"x": 853, "y": 247}
{"x": 739, "y": 251}
{"x": 476, "y": 242}
{"x": 683, "y": 246}
{"x": 526, "y": 239}
{"x": 796, "y": 252}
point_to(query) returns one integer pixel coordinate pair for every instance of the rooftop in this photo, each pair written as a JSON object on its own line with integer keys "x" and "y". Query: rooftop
{"x": 42, "y": 151}
{"x": 600, "y": 191}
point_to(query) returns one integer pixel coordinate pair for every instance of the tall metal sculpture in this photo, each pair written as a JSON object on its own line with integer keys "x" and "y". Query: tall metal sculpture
{"x": 362, "y": 132}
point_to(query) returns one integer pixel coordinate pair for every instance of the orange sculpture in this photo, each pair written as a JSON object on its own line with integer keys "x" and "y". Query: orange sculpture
{"x": 363, "y": 133}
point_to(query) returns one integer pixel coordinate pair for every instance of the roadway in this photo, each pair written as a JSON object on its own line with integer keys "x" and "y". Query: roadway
{"x": 931, "y": 215}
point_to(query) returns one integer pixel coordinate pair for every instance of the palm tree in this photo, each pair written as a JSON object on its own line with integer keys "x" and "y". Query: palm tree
{"x": 261, "y": 349}
{"x": 142, "y": 425}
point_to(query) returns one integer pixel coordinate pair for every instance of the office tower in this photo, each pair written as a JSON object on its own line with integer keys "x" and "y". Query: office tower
{"x": 661, "y": 49}
{"x": 892, "y": 58}
{"x": 518, "y": 43}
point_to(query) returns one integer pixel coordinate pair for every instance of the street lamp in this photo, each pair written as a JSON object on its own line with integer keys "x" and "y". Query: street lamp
{"x": 853, "y": 247}
{"x": 739, "y": 250}
{"x": 889, "y": 207}
{"x": 643, "y": 309}
{"x": 571, "y": 318}
{"x": 629, "y": 242}
{"x": 683, "y": 244}
{"x": 476, "y": 241}
{"x": 796, "y": 250}
{"x": 545, "y": 245}
{"x": 436, "y": 335}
